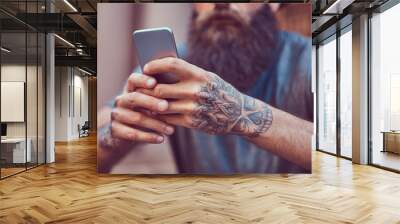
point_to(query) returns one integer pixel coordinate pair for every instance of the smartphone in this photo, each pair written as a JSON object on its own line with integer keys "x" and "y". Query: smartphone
{"x": 153, "y": 44}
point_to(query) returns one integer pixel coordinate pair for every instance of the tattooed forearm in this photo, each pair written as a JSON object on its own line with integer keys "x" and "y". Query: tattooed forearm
{"x": 256, "y": 118}
{"x": 222, "y": 109}
{"x": 107, "y": 141}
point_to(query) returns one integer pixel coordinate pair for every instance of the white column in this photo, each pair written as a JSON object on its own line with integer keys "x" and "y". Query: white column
{"x": 360, "y": 90}
{"x": 50, "y": 98}
{"x": 314, "y": 91}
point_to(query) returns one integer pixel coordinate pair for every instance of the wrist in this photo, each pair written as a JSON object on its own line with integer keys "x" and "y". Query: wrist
{"x": 256, "y": 118}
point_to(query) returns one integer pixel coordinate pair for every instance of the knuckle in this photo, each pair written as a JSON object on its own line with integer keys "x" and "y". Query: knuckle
{"x": 204, "y": 76}
{"x": 132, "y": 135}
{"x": 173, "y": 63}
{"x": 154, "y": 138}
{"x": 143, "y": 91}
{"x": 137, "y": 117}
{"x": 133, "y": 78}
{"x": 133, "y": 98}
{"x": 193, "y": 92}
{"x": 208, "y": 75}
{"x": 192, "y": 107}
{"x": 159, "y": 91}
{"x": 178, "y": 61}
{"x": 117, "y": 102}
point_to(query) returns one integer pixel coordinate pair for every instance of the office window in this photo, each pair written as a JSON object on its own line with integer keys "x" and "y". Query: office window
{"x": 385, "y": 89}
{"x": 346, "y": 94}
{"x": 327, "y": 96}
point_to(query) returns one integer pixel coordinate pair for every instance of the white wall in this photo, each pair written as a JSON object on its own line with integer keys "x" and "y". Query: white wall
{"x": 61, "y": 103}
{"x": 80, "y": 83}
{"x": 33, "y": 126}
{"x": 15, "y": 72}
{"x": 67, "y": 114}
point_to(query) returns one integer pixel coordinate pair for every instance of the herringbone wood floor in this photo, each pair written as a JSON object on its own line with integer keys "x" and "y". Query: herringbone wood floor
{"x": 70, "y": 191}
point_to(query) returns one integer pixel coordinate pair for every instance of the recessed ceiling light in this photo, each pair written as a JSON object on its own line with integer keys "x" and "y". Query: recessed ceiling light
{"x": 337, "y": 7}
{"x": 65, "y": 41}
{"x": 84, "y": 71}
{"x": 5, "y": 50}
{"x": 70, "y": 5}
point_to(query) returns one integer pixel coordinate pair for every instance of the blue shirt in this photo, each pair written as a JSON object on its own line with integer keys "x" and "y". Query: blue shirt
{"x": 286, "y": 85}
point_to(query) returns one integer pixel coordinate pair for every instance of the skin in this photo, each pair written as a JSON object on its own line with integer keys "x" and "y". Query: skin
{"x": 146, "y": 112}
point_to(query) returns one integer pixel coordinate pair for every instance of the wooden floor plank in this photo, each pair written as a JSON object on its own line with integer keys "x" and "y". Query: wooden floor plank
{"x": 70, "y": 191}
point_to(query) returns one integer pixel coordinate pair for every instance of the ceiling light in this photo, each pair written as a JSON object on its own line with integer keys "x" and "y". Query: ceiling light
{"x": 70, "y": 5}
{"x": 65, "y": 41}
{"x": 84, "y": 71}
{"x": 337, "y": 7}
{"x": 5, "y": 50}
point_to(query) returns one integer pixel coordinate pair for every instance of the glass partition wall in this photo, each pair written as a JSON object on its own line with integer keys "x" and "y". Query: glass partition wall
{"x": 334, "y": 94}
{"x": 334, "y": 123}
{"x": 327, "y": 95}
{"x": 345, "y": 93}
{"x": 385, "y": 89}
{"x": 22, "y": 88}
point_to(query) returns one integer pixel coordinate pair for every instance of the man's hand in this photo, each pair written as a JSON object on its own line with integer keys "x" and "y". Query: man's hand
{"x": 131, "y": 119}
{"x": 130, "y": 122}
{"x": 202, "y": 100}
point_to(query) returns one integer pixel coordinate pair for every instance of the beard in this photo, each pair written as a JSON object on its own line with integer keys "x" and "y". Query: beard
{"x": 235, "y": 50}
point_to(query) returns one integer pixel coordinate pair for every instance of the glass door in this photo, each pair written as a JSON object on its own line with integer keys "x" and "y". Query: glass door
{"x": 326, "y": 60}
{"x": 346, "y": 92}
{"x": 22, "y": 78}
{"x": 385, "y": 89}
{"x": 14, "y": 153}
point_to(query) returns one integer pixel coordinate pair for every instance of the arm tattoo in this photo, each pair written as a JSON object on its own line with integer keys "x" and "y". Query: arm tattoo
{"x": 106, "y": 140}
{"x": 222, "y": 109}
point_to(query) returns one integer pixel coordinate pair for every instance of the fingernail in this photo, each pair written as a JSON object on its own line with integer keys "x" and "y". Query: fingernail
{"x": 160, "y": 139}
{"x": 150, "y": 82}
{"x": 169, "y": 130}
{"x": 145, "y": 67}
{"x": 163, "y": 105}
